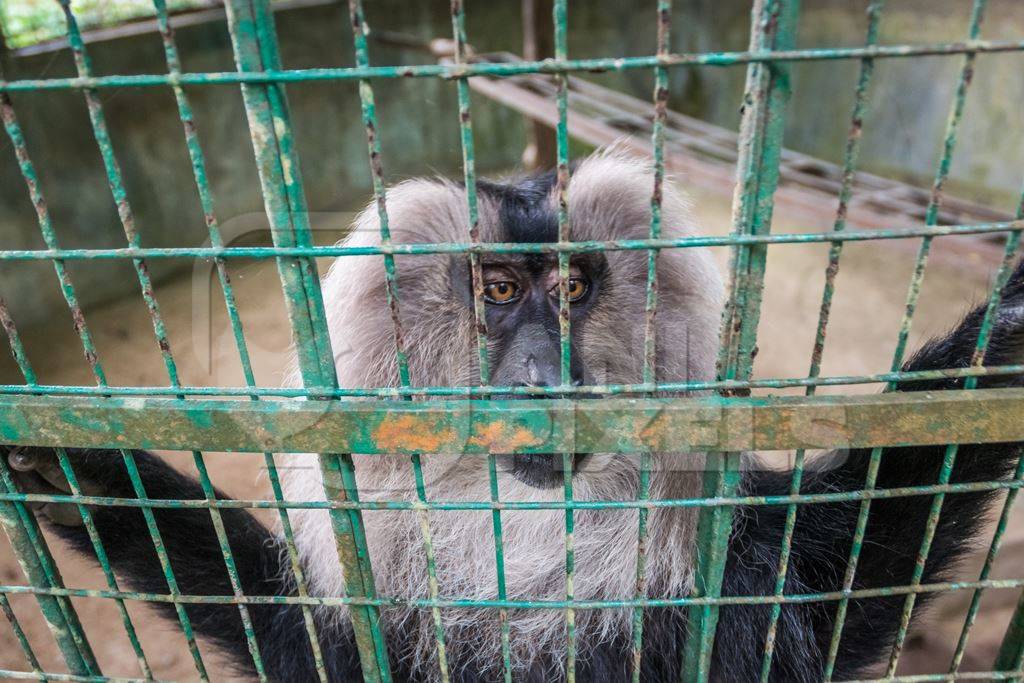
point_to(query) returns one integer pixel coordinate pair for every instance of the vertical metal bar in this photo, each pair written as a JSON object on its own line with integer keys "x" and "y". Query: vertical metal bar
{"x": 206, "y": 201}
{"x": 127, "y": 217}
{"x": 229, "y": 563}
{"x": 850, "y": 155}
{"x": 255, "y": 46}
{"x": 31, "y": 551}
{"x": 1011, "y": 650}
{"x": 19, "y": 634}
{"x": 115, "y": 180}
{"x": 28, "y": 173}
{"x": 101, "y": 555}
{"x": 876, "y": 453}
{"x": 931, "y": 218}
{"x": 948, "y": 146}
{"x": 661, "y": 94}
{"x": 88, "y": 346}
{"x": 213, "y": 229}
{"x": 1011, "y": 250}
{"x": 360, "y": 29}
{"x": 369, "y": 114}
{"x": 560, "y": 18}
{"x": 480, "y": 316}
{"x": 773, "y": 27}
{"x": 856, "y": 544}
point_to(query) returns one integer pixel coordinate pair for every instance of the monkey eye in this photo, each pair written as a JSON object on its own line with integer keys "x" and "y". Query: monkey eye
{"x": 503, "y": 292}
{"x": 578, "y": 287}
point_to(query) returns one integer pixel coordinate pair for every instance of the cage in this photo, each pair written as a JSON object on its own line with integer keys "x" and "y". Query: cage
{"x": 729, "y": 418}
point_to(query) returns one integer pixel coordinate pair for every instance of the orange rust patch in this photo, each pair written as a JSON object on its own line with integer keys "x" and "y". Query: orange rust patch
{"x": 652, "y": 429}
{"x": 495, "y": 434}
{"x": 406, "y": 433}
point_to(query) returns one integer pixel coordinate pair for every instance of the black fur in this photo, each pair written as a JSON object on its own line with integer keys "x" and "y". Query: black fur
{"x": 199, "y": 569}
{"x": 823, "y": 532}
{"x": 821, "y": 544}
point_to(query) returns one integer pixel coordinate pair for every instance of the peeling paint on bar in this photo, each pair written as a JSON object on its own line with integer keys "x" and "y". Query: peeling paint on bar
{"x": 522, "y": 426}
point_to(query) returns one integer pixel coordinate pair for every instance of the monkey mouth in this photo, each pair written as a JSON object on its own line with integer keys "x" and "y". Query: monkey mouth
{"x": 539, "y": 470}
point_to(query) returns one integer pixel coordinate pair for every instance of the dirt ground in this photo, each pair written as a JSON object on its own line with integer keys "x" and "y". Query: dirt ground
{"x": 868, "y": 305}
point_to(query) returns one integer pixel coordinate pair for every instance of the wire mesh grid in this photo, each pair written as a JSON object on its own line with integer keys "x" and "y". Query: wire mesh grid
{"x": 261, "y": 419}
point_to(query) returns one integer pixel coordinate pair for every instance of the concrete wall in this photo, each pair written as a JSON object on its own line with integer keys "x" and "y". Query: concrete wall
{"x": 418, "y": 125}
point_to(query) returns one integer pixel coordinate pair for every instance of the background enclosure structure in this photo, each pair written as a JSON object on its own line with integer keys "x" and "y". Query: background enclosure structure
{"x": 185, "y": 417}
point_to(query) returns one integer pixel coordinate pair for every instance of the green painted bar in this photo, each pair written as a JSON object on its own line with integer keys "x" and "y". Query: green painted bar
{"x": 509, "y": 248}
{"x": 253, "y": 37}
{"x": 561, "y": 28}
{"x": 479, "y": 314}
{"x": 832, "y": 270}
{"x": 360, "y": 29}
{"x": 931, "y": 218}
{"x": 101, "y": 555}
{"x": 206, "y": 201}
{"x": 35, "y": 561}
{"x": 30, "y": 547}
{"x": 1011, "y": 639}
{"x": 773, "y": 25}
{"x": 126, "y": 215}
{"x": 1011, "y": 650}
{"x": 549, "y": 66}
{"x": 19, "y": 634}
{"x": 661, "y": 94}
{"x": 463, "y": 603}
{"x": 524, "y": 426}
{"x": 809, "y": 499}
{"x": 466, "y": 392}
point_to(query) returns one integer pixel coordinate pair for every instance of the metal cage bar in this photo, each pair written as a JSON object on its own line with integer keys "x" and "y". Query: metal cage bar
{"x": 661, "y": 95}
{"x": 19, "y": 634}
{"x": 773, "y": 25}
{"x": 255, "y": 47}
{"x": 31, "y": 550}
{"x": 205, "y": 193}
{"x": 76, "y": 491}
{"x": 931, "y": 217}
{"x": 832, "y": 270}
{"x": 458, "y": 12}
{"x": 126, "y": 215}
{"x": 1011, "y": 250}
{"x": 548, "y": 66}
{"x": 360, "y": 29}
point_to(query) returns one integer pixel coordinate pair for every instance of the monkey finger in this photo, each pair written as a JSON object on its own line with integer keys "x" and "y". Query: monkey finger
{"x": 42, "y": 462}
{"x": 29, "y": 480}
{"x": 63, "y": 514}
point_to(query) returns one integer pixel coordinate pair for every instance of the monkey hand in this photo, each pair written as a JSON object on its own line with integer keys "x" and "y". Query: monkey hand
{"x": 38, "y": 470}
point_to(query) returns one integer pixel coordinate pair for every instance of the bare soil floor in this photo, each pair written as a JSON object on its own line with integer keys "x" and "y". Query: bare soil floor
{"x": 868, "y": 306}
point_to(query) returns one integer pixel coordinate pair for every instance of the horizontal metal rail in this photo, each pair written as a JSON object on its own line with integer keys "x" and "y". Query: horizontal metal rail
{"x": 587, "y": 246}
{"x": 523, "y": 426}
{"x": 549, "y": 66}
{"x": 727, "y": 386}
{"x": 461, "y": 603}
{"x": 460, "y": 505}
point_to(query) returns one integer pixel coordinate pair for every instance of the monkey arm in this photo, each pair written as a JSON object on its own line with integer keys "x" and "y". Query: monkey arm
{"x": 823, "y": 533}
{"x": 195, "y": 557}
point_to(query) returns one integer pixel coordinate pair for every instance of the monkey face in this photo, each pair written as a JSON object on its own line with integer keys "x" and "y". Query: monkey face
{"x": 609, "y": 200}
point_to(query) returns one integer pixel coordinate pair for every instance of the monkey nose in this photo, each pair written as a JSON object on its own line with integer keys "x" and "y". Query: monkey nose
{"x": 546, "y": 373}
